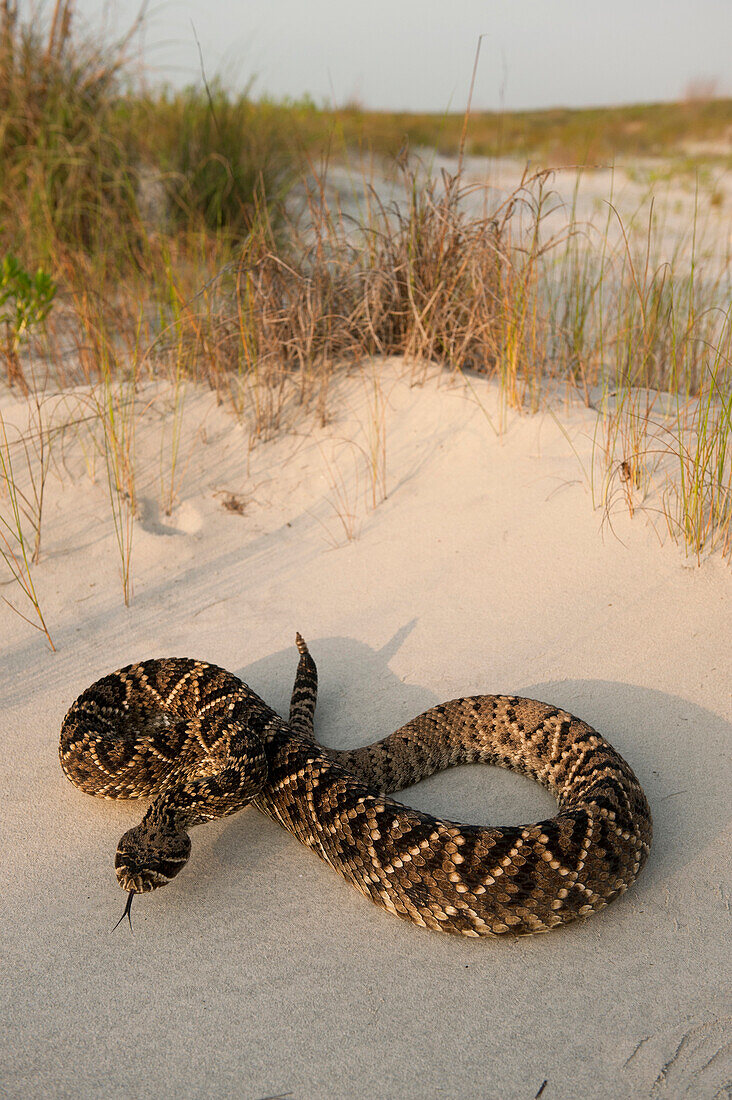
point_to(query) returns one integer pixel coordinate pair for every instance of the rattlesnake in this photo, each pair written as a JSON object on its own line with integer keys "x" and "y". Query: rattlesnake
{"x": 204, "y": 745}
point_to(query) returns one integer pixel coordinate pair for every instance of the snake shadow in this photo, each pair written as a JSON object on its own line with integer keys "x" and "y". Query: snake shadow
{"x": 359, "y": 696}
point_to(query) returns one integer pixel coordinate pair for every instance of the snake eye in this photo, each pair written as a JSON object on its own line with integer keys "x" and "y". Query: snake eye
{"x": 171, "y": 867}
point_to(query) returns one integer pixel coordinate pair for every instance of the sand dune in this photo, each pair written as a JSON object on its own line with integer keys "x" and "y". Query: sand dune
{"x": 258, "y": 972}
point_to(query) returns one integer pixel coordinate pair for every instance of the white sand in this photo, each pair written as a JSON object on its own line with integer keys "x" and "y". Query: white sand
{"x": 259, "y": 972}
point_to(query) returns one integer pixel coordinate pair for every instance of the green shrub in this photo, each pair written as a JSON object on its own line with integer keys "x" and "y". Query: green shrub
{"x": 25, "y": 301}
{"x": 224, "y": 158}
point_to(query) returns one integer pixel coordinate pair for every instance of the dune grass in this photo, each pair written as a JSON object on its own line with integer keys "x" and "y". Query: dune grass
{"x": 15, "y": 549}
{"x": 195, "y": 237}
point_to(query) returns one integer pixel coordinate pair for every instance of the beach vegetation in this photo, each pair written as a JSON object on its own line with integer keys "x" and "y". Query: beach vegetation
{"x": 197, "y": 238}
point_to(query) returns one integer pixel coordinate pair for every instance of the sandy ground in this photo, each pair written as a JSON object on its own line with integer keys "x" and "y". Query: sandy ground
{"x": 259, "y": 972}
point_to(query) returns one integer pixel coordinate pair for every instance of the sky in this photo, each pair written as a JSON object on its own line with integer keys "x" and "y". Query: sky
{"x": 418, "y": 54}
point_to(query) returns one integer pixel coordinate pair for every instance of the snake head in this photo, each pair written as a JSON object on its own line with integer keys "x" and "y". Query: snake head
{"x": 148, "y": 857}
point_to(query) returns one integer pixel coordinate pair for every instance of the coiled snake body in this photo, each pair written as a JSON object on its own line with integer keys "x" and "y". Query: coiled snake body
{"x": 204, "y": 745}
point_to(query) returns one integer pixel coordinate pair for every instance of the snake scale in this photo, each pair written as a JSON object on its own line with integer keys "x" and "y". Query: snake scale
{"x": 203, "y": 745}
